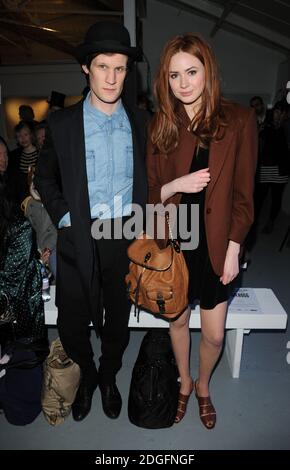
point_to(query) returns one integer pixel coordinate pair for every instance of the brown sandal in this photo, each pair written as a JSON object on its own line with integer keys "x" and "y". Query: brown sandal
{"x": 182, "y": 405}
{"x": 207, "y": 411}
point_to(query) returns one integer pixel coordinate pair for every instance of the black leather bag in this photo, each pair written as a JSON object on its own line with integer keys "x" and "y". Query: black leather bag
{"x": 154, "y": 387}
{"x": 25, "y": 353}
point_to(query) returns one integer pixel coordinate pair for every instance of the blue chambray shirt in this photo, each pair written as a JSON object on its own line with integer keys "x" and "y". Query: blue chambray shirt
{"x": 109, "y": 162}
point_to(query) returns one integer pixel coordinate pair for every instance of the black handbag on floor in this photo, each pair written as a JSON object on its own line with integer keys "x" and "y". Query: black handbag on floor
{"x": 21, "y": 380}
{"x": 154, "y": 387}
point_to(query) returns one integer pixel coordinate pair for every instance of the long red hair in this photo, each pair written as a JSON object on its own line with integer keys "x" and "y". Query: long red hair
{"x": 209, "y": 120}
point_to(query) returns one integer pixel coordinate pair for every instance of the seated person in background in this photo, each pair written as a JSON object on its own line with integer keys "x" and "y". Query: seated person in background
{"x": 40, "y": 134}
{"x": 46, "y": 233}
{"x": 20, "y": 276}
{"x": 22, "y": 158}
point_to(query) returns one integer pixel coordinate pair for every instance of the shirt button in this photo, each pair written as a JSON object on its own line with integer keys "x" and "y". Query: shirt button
{"x": 208, "y": 210}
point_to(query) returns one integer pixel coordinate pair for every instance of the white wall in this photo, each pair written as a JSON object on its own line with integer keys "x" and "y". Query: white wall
{"x": 39, "y": 80}
{"x": 246, "y": 68}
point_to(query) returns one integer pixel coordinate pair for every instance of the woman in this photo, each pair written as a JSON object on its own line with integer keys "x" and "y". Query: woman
{"x": 20, "y": 277}
{"x": 202, "y": 150}
{"x": 21, "y": 159}
{"x": 46, "y": 234}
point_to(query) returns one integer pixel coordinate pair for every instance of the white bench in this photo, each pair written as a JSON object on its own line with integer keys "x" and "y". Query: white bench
{"x": 251, "y": 309}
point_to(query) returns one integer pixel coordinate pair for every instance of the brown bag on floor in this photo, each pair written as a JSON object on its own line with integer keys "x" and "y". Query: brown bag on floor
{"x": 158, "y": 278}
{"x": 61, "y": 381}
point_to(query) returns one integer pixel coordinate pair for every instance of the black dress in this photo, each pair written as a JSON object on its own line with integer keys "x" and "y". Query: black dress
{"x": 204, "y": 283}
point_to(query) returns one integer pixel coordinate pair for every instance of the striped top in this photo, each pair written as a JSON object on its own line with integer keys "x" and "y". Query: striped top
{"x": 27, "y": 159}
{"x": 270, "y": 174}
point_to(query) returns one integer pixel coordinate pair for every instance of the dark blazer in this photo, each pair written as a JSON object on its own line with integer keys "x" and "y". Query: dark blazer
{"x": 61, "y": 180}
{"x": 229, "y": 210}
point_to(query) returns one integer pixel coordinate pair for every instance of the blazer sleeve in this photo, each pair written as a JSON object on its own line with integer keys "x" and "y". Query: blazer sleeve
{"x": 47, "y": 181}
{"x": 154, "y": 183}
{"x": 156, "y": 225}
{"x": 245, "y": 168}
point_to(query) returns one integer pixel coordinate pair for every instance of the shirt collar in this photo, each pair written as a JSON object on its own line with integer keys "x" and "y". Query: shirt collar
{"x": 100, "y": 117}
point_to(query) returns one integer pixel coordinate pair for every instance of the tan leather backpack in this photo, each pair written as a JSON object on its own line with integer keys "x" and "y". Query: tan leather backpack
{"x": 158, "y": 278}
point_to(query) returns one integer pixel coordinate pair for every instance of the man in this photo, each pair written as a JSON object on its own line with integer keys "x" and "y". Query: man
{"x": 26, "y": 114}
{"x": 257, "y": 103}
{"x": 93, "y": 152}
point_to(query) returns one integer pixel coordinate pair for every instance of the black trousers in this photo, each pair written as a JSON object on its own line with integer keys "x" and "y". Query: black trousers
{"x": 261, "y": 192}
{"x": 73, "y": 310}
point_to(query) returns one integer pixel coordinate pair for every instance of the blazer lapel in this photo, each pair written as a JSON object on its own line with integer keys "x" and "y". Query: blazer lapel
{"x": 81, "y": 215}
{"x": 217, "y": 152}
{"x": 139, "y": 172}
{"x": 78, "y": 157}
{"x": 185, "y": 152}
{"x": 135, "y": 140}
{"x": 187, "y": 143}
{"x": 217, "y": 155}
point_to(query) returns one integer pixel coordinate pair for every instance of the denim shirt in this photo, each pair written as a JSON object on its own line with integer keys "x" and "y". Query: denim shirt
{"x": 109, "y": 162}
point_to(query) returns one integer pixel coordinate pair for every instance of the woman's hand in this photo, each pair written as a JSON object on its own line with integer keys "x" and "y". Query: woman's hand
{"x": 192, "y": 183}
{"x": 231, "y": 266}
{"x": 45, "y": 254}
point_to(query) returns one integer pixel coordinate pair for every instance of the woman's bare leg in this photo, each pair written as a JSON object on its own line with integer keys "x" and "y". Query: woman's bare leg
{"x": 212, "y": 336}
{"x": 180, "y": 339}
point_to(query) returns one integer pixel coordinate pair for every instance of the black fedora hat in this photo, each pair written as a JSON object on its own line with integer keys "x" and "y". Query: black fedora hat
{"x": 106, "y": 36}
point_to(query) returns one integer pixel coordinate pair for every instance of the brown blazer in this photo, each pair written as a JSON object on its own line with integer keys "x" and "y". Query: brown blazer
{"x": 229, "y": 208}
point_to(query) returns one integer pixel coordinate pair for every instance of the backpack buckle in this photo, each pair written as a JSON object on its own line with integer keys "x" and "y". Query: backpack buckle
{"x": 160, "y": 302}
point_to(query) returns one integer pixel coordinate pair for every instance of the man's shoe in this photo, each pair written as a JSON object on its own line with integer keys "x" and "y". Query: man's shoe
{"x": 111, "y": 400}
{"x": 83, "y": 401}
